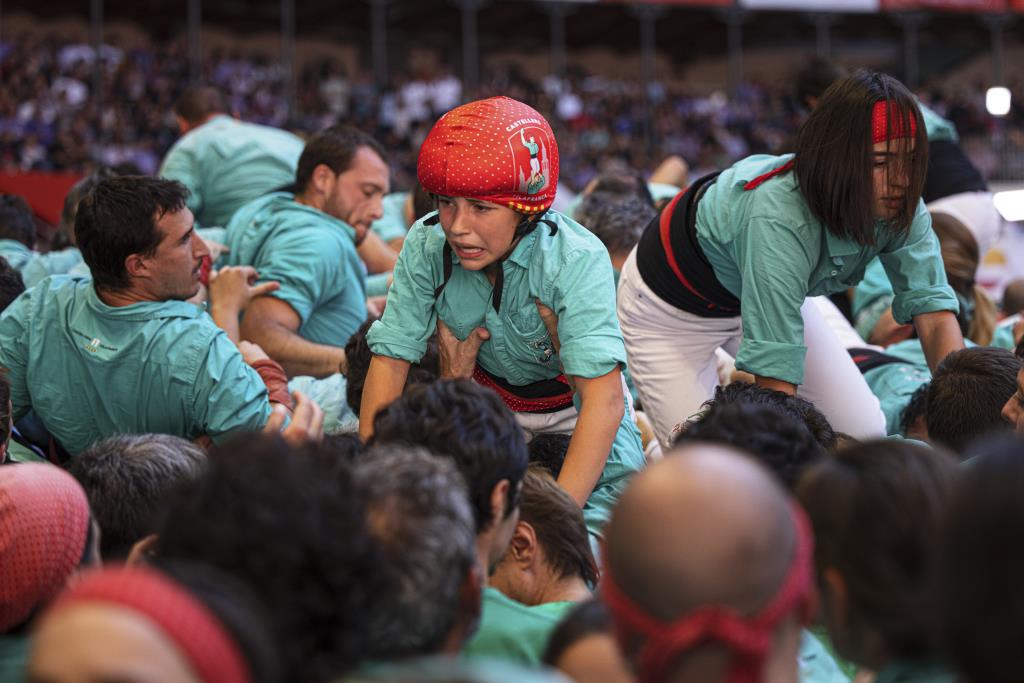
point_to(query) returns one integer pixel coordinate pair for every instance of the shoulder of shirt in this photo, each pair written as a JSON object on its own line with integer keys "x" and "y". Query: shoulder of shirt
{"x": 495, "y": 596}
{"x": 571, "y": 241}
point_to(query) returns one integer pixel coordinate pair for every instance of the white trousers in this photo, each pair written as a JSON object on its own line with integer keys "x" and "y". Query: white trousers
{"x": 672, "y": 359}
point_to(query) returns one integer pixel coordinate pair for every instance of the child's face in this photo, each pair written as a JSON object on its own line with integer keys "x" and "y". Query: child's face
{"x": 480, "y": 232}
{"x": 889, "y": 168}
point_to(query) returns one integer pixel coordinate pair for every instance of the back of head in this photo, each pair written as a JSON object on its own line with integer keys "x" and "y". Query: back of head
{"x": 686, "y": 615}
{"x": 419, "y": 514}
{"x": 268, "y": 513}
{"x": 118, "y": 218}
{"x": 335, "y": 148}
{"x": 358, "y": 357}
{"x": 798, "y": 408}
{"x": 775, "y": 438}
{"x": 814, "y": 79}
{"x": 967, "y": 394}
{"x": 16, "y": 221}
{"x": 558, "y": 523}
{"x": 11, "y": 284}
{"x": 199, "y": 102}
{"x": 128, "y": 479}
{"x": 44, "y": 533}
{"x": 834, "y": 154}
{"x": 617, "y": 221}
{"x": 877, "y": 510}
{"x": 979, "y": 567}
{"x": 1013, "y": 297}
{"x": 66, "y": 230}
{"x": 470, "y": 424}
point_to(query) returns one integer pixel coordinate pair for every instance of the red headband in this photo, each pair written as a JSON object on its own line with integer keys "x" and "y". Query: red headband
{"x": 198, "y": 634}
{"x": 888, "y": 124}
{"x": 498, "y": 150}
{"x": 749, "y": 638}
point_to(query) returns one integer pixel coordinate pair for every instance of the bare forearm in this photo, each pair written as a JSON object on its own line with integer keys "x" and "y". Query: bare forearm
{"x": 227, "y": 319}
{"x": 378, "y": 256}
{"x": 296, "y": 355}
{"x": 385, "y": 381}
{"x": 601, "y": 410}
{"x": 775, "y": 384}
{"x": 940, "y": 336}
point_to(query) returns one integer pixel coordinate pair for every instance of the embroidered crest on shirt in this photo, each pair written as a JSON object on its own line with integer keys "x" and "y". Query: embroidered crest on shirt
{"x": 531, "y": 160}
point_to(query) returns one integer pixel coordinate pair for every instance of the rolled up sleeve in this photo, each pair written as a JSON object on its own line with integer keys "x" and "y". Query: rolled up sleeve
{"x": 583, "y": 294}
{"x": 410, "y": 316}
{"x": 775, "y": 264}
{"x": 914, "y": 265}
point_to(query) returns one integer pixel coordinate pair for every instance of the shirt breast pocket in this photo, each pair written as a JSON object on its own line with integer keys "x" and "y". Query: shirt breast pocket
{"x": 530, "y": 336}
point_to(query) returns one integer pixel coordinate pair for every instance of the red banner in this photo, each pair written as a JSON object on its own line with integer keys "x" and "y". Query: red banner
{"x": 44, "y": 192}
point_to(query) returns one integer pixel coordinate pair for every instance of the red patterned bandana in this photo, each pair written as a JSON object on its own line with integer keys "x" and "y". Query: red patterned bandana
{"x": 497, "y": 150}
{"x": 186, "y": 621}
{"x": 887, "y": 123}
{"x": 749, "y": 638}
{"x": 44, "y": 524}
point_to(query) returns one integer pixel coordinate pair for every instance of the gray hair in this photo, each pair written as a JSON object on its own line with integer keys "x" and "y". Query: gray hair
{"x": 617, "y": 220}
{"x": 127, "y": 479}
{"x": 418, "y": 510}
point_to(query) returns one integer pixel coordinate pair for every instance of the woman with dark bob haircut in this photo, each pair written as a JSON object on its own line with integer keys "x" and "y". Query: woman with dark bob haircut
{"x": 731, "y": 262}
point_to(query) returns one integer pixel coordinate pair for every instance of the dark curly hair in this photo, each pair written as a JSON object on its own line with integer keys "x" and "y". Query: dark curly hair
{"x": 291, "y": 524}
{"x": 358, "y": 357}
{"x": 798, "y": 408}
{"x": 777, "y": 439}
{"x": 462, "y": 420}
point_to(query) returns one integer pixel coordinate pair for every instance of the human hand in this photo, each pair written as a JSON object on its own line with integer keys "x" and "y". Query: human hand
{"x": 252, "y": 352}
{"x": 307, "y": 425}
{"x": 458, "y": 358}
{"x": 216, "y": 249}
{"x": 233, "y": 287}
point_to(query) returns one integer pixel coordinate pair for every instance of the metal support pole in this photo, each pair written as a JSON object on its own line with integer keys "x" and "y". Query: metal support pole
{"x": 288, "y": 55}
{"x": 997, "y": 24}
{"x": 96, "y": 38}
{"x": 470, "y": 52}
{"x": 648, "y": 17}
{"x": 822, "y": 33}
{"x": 557, "y": 11}
{"x": 912, "y": 22}
{"x": 379, "y": 45}
{"x": 195, "y": 52}
{"x": 734, "y": 19}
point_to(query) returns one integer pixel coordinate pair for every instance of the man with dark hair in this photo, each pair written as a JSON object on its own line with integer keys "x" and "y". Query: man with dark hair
{"x": 291, "y": 524}
{"x": 547, "y": 568}
{"x": 358, "y": 357}
{"x": 307, "y": 242}
{"x": 18, "y": 241}
{"x": 462, "y": 420}
{"x": 799, "y": 409}
{"x": 124, "y": 352}
{"x": 420, "y": 518}
{"x": 967, "y": 394}
{"x": 779, "y": 441}
{"x": 225, "y": 162}
{"x": 128, "y": 478}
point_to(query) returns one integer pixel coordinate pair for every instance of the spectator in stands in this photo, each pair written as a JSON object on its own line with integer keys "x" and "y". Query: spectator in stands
{"x": 269, "y": 514}
{"x": 735, "y": 608}
{"x": 123, "y": 352}
{"x": 968, "y": 394}
{"x": 307, "y": 242}
{"x": 494, "y": 190}
{"x": 470, "y": 424}
{"x": 419, "y": 514}
{"x": 47, "y": 535}
{"x": 128, "y": 480}
{"x": 877, "y": 510}
{"x": 771, "y": 231}
{"x": 222, "y": 161}
{"x": 1013, "y": 298}
{"x": 185, "y": 623}
{"x": 547, "y": 568}
{"x": 979, "y": 566}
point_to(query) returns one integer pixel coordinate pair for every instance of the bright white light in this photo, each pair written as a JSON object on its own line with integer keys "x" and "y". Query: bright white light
{"x": 1010, "y": 204}
{"x": 997, "y": 101}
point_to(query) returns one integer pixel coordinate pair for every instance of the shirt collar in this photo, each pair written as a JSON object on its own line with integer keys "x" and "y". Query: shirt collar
{"x": 14, "y": 246}
{"x": 143, "y": 310}
{"x": 285, "y": 201}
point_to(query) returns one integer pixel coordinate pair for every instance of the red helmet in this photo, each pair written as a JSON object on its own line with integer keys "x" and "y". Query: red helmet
{"x": 498, "y": 150}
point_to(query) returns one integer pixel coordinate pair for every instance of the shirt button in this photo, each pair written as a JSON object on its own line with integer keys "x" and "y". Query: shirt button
{"x": 834, "y": 273}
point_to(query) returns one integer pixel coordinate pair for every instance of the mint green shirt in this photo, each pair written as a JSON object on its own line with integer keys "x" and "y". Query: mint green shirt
{"x": 514, "y": 632}
{"x": 34, "y": 267}
{"x": 570, "y": 272}
{"x": 442, "y": 669}
{"x": 90, "y": 371}
{"x": 937, "y": 128}
{"x": 226, "y": 163}
{"x": 894, "y": 384}
{"x": 767, "y": 248}
{"x": 391, "y": 225}
{"x": 816, "y": 664}
{"x": 312, "y": 255}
